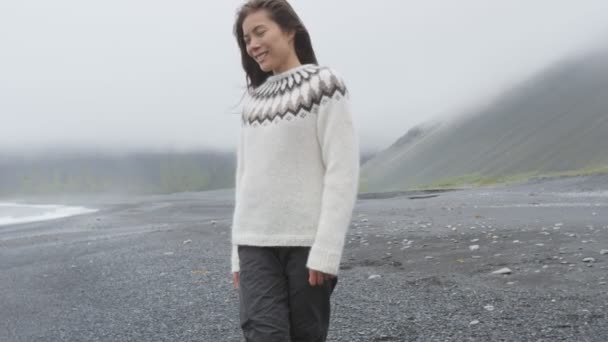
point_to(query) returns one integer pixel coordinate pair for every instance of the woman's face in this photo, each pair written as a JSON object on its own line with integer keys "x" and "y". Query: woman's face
{"x": 265, "y": 42}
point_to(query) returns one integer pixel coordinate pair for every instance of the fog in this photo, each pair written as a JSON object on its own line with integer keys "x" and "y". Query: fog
{"x": 132, "y": 75}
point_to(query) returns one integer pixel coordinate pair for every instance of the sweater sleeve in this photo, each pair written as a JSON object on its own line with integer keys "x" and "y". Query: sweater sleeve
{"x": 238, "y": 175}
{"x": 339, "y": 145}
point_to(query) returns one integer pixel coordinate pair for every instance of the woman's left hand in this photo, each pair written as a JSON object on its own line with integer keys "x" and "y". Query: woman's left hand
{"x": 318, "y": 277}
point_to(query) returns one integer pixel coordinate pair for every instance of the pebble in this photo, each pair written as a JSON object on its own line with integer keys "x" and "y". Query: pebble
{"x": 504, "y": 270}
{"x": 489, "y": 307}
{"x": 474, "y": 247}
{"x": 604, "y": 251}
{"x": 374, "y": 276}
{"x": 474, "y": 322}
{"x": 589, "y": 260}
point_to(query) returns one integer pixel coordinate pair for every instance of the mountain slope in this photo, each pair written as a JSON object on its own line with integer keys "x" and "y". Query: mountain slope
{"x": 557, "y": 121}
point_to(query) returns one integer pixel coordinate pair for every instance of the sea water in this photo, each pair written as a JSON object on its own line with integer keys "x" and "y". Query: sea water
{"x": 13, "y": 213}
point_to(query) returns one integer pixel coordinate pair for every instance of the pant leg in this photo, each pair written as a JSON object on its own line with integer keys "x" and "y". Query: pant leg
{"x": 263, "y": 295}
{"x": 309, "y": 305}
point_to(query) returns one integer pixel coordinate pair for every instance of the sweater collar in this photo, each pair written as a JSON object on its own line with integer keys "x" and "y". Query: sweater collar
{"x": 287, "y": 73}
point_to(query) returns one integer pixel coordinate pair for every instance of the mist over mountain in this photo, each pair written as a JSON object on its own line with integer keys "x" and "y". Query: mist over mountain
{"x": 87, "y": 172}
{"x": 556, "y": 121}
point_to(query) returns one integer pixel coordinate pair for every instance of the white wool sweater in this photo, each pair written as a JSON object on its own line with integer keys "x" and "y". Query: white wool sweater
{"x": 297, "y": 166}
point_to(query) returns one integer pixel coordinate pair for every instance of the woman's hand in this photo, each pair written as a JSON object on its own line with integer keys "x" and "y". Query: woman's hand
{"x": 235, "y": 279}
{"x": 318, "y": 277}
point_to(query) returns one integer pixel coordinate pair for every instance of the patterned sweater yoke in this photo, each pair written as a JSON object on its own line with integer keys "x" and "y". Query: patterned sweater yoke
{"x": 297, "y": 92}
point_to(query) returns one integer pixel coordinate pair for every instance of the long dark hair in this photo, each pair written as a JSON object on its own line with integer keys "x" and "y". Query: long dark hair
{"x": 282, "y": 13}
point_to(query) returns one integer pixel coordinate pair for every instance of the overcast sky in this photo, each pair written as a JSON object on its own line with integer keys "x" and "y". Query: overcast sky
{"x": 136, "y": 74}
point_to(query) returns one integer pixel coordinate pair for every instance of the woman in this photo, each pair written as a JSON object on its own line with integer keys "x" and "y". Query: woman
{"x": 296, "y": 180}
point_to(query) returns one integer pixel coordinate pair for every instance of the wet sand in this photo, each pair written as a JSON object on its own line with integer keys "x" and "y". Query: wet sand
{"x": 417, "y": 266}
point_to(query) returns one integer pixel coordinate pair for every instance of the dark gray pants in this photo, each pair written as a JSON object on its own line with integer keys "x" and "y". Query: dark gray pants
{"x": 277, "y": 303}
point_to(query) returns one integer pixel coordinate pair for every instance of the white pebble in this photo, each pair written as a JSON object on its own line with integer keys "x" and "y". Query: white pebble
{"x": 504, "y": 270}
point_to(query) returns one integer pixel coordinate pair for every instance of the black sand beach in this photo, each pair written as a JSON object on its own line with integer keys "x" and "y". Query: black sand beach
{"x": 416, "y": 267}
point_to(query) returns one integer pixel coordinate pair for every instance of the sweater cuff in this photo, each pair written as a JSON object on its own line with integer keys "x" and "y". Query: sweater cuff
{"x": 235, "y": 259}
{"x": 324, "y": 260}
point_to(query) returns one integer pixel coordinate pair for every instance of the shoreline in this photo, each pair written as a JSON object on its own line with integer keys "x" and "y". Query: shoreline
{"x": 47, "y": 212}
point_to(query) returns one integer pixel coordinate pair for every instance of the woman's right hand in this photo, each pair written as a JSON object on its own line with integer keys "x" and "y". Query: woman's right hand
{"x": 235, "y": 279}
